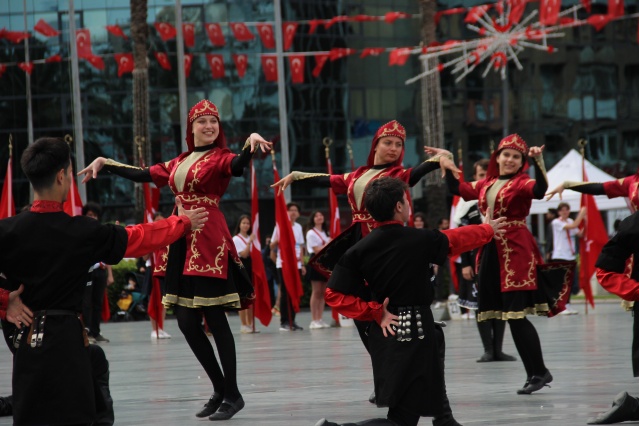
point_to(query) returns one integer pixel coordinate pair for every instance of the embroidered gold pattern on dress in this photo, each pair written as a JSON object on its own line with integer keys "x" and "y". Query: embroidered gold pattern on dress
{"x": 359, "y": 186}
{"x": 194, "y": 198}
{"x": 113, "y": 163}
{"x": 362, "y": 217}
{"x": 542, "y": 166}
{"x": 540, "y": 309}
{"x": 196, "y": 170}
{"x": 303, "y": 175}
{"x": 195, "y": 254}
{"x": 182, "y": 169}
{"x": 228, "y": 301}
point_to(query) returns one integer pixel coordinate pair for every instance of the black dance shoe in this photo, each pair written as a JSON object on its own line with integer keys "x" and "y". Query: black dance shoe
{"x": 6, "y": 405}
{"x": 446, "y": 420}
{"x": 324, "y": 422}
{"x": 536, "y": 383}
{"x": 372, "y": 399}
{"x": 211, "y": 407}
{"x": 504, "y": 357}
{"x": 228, "y": 409}
{"x": 624, "y": 408}
{"x": 486, "y": 357}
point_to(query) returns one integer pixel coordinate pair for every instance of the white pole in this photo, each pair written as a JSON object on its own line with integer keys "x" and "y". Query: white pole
{"x": 77, "y": 101}
{"x": 281, "y": 96}
{"x": 181, "y": 73}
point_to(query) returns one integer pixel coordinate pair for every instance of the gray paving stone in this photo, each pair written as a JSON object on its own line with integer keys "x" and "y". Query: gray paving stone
{"x": 296, "y": 378}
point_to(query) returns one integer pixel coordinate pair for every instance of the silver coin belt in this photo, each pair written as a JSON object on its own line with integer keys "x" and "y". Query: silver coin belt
{"x": 410, "y": 323}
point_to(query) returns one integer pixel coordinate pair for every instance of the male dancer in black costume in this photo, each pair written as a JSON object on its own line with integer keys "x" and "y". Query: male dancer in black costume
{"x": 403, "y": 343}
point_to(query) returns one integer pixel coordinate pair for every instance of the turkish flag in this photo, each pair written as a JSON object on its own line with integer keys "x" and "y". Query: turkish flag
{"x": 475, "y": 13}
{"x": 391, "y": 17}
{"x": 549, "y": 11}
{"x": 106, "y": 309}
{"x": 241, "y": 31}
{"x": 125, "y": 63}
{"x": 296, "y": 64}
{"x": 73, "y": 204}
{"x": 214, "y": 31}
{"x": 151, "y": 195}
{"x": 155, "y": 308}
{"x": 288, "y": 33}
{"x": 262, "y": 305}
{"x": 53, "y": 58}
{"x": 591, "y": 243}
{"x": 16, "y": 36}
{"x": 188, "y": 60}
{"x": 269, "y": 66}
{"x": 188, "y": 30}
{"x": 96, "y": 61}
{"x": 45, "y": 29}
{"x": 320, "y": 60}
{"x": 616, "y": 8}
{"x": 335, "y": 227}
{"x": 266, "y": 35}
{"x": 340, "y": 52}
{"x": 453, "y": 209}
{"x": 371, "y": 51}
{"x": 216, "y": 62}
{"x": 165, "y": 30}
{"x": 364, "y": 18}
{"x": 587, "y": 4}
{"x": 399, "y": 56}
{"x": 116, "y": 30}
{"x": 241, "y": 62}
{"x": 163, "y": 60}
{"x": 599, "y": 21}
{"x": 3, "y": 68}
{"x": 290, "y": 273}
{"x": 83, "y": 42}
{"x": 7, "y": 206}
{"x": 517, "y": 9}
{"x": 334, "y": 20}
{"x": 313, "y": 24}
{"x": 26, "y": 67}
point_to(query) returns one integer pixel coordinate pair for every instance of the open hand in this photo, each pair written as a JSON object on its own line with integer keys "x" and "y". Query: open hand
{"x": 389, "y": 321}
{"x": 497, "y": 224}
{"x": 559, "y": 190}
{"x": 283, "y": 183}
{"x": 91, "y": 171}
{"x": 257, "y": 140}
{"x": 17, "y": 312}
{"x": 536, "y": 151}
{"x": 197, "y": 216}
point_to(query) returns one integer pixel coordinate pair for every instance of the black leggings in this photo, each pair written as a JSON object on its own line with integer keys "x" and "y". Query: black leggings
{"x": 189, "y": 321}
{"x": 528, "y": 345}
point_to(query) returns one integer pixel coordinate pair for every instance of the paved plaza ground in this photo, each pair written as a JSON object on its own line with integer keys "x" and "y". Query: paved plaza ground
{"x": 296, "y": 378}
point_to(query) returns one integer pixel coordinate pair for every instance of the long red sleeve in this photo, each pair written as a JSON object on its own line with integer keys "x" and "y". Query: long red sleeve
{"x": 466, "y": 238}
{"x": 149, "y": 237}
{"x": 619, "y": 284}
{"x": 354, "y": 307}
{"x": 4, "y": 303}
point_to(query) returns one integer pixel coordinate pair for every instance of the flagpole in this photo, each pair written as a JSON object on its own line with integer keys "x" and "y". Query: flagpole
{"x": 582, "y": 150}
{"x": 10, "y": 187}
{"x": 28, "y": 76}
{"x": 281, "y": 95}
{"x": 77, "y": 101}
{"x": 181, "y": 73}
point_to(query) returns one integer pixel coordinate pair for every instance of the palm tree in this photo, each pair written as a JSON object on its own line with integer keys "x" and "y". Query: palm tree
{"x": 432, "y": 116}
{"x": 139, "y": 34}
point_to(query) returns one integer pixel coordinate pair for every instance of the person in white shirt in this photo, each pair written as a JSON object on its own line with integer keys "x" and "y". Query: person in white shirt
{"x": 287, "y": 314}
{"x": 564, "y": 231}
{"x": 316, "y": 240}
{"x": 243, "y": 240}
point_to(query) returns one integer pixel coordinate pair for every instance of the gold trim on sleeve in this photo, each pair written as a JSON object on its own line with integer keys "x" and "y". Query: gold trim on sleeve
{"x": 304, "y": 175}
{"x": 113, "y": 163}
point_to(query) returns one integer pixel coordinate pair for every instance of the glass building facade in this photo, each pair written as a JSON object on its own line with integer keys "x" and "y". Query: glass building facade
{"x": 587, "y": 89}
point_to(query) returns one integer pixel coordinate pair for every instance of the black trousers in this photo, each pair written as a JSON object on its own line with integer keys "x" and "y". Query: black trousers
{"x": 92, "y": 303}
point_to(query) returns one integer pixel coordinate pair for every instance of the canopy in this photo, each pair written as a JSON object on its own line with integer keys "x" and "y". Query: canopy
{"x": 569, "y": 168}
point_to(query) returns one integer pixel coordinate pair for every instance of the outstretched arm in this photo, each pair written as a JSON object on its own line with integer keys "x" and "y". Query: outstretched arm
{"x": 315, "y": 179}
{"x": 541, "y": 180}
{"x": 239, "y": 163}
{"x": 136, "y": 174}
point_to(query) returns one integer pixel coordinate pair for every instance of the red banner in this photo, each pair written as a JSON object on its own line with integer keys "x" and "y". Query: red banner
{"x": 53, "y": 58}
{"x": 241, "y": 62}
{"x": 616, "y": 8}
{"x": 399, "y": 56}
{"x": 340, "y": 52}
{"x": 320, "y": 60}
{"x": 45, "y": 29}
{"x": 125, "y": 63}
{"x": 163, "y": 60}
{"x": 96, "y": 61}
{"x": 475, "y": 13}
{"x": 116, "y": 30}
{"x": 26, "y": 67}
{"x": 7, "y": 205}
{"x": 188, "y": 60}
{"x": 266, "y": 35}
{"x": 391, "y": 17}
{"x": 262, "y": 306}
{"x": 188, "y": 30}
{"x": 83, "y": 41}
{"x": 73, "y": 204}
{"x": 517, "y": 9}
{"x": 165, "y": 30}
{"x": 372, "y": 51}
{"x": 216, "y": 62}
{"x": 549, "y": 11}
{"x": 296, "y": 64}
{"x": 214, "y": 31}
{"x": 15, "y": 36}
{"x": 241, "y": 31}
{"x": 269, "y": 66}
{"x": 288, "y": 33}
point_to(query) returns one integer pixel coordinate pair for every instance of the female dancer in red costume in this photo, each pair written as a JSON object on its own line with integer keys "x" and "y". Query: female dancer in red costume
{"x": 513, "y": 259}
{"x": 204, "y": 273}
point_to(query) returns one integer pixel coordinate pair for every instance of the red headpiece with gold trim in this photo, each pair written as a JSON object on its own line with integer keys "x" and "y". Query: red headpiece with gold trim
{"x": 515, "y": 142}
{"x": 204, "y": 107}
{"x": 392, "y": 128}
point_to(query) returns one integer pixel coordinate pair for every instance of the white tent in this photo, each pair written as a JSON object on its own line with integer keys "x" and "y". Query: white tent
{"x": 569, "y": 168}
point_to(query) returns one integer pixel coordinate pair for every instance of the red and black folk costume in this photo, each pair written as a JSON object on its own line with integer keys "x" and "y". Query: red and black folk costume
{"x": 512, "y": 280}
{"x": 52, "y": 366}
{"x": 203, "y": 269}
{"x": 408, "y": 374}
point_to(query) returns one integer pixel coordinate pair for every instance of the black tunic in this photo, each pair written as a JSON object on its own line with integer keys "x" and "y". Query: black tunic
{"x": 394, "y": 261}
{"x": 51, "y": 253}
